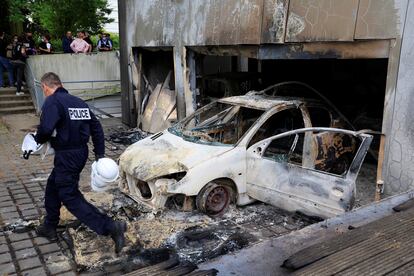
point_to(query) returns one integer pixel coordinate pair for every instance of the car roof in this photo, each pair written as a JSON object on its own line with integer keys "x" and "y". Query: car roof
{"x": 264, "y": 102}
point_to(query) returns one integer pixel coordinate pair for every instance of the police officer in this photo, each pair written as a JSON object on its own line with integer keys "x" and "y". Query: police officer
{"x": 105, "y": 43}
{"x": 67, "y": 122}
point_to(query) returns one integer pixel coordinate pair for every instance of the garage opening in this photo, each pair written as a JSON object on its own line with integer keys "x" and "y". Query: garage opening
{"x": 356, "y": 87}
{"x": 157, "y": 97}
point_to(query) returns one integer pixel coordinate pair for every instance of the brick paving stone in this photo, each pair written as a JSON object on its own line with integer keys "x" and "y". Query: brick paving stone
{"x": 30, "y": 213}
{"x": 37, "y": 194}
{"x": 18, "y": 237}
{"x": 5, "y": 258}
{"x": 10, "y": 215}
{"x": 15, "y": 186}
{"x": 24, "y": 200}
{"x": 19, "y": 191}
{"x": 41, "y": 241}
{"x": 5, "y": 198}
{"x": 8, "y": 209}
{"x": 4, "y": 193}
{"x": 25, "y": 253}
{"x": 26, "y": 206}
{"x": 29, "y": 263}
{"x": 7, "y": 268}
{"x": 32, "y": 184}
{"x": 6, "y": 204}
{"x": 35, "y": 272}
{"x": 21, "y": 196}
{"x": 59, "y": 267}
{"x": 4, "y": 248}
{"x": 22, "y": 244}
{"x": 35, "y": 189}
{"x": 52, "y": 247}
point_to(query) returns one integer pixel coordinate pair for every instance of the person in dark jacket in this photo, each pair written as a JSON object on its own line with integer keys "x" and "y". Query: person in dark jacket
{"x": 5, "y": 62}
{"x": 105, "y": 43}
{"x": 45, "y": 47}
{"x": 87, "y": 38}
{"x": 66, "y": 41}
{"x": 29, "y": 43}
{"x": 19, "y": 56}
{"x": 69, "y": 135}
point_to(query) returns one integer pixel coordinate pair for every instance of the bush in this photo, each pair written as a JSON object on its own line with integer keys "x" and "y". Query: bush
{"x": 57, "y": 45}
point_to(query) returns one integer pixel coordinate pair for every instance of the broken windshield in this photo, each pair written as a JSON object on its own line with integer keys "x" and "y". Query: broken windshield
{"x": 217, "y": 123}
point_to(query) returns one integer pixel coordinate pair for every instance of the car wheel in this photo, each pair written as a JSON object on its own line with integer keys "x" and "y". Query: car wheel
{"x": 214, "y": 199}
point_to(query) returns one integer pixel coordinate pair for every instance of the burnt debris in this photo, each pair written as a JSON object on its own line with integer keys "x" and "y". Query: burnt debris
{"x": 127, "y": 137}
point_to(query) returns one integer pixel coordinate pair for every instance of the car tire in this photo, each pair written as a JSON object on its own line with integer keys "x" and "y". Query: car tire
{"x": 214, "y": 199}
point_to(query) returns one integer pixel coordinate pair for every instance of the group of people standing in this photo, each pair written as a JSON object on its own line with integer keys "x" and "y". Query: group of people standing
{"x": 13, "y": 59}
{"x": 13, "y": 54}
{"x": 83, "y": 43}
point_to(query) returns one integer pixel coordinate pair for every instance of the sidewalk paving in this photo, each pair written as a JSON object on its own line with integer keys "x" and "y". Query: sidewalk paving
{"x": 22, "y": 186}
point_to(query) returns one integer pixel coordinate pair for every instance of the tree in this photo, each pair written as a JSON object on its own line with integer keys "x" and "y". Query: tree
{"x": 59, "y": 16}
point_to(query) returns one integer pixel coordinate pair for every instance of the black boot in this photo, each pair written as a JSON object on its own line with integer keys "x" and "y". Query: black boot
{"x": 117, "y": 235}
{"x": 46, "y": 231}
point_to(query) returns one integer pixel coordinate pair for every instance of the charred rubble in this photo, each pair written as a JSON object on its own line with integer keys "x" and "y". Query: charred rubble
{"x": 186, "y": 238}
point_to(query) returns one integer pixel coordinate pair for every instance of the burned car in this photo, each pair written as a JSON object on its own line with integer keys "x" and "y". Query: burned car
{"x": 290, "y": 152}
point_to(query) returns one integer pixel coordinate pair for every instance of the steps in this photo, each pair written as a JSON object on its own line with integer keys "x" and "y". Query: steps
{"x": 10, "y": 103}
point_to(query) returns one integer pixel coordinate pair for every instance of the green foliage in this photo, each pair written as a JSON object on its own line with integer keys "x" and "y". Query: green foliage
{"x": 56, "y": 45}
{"x": 18, "y": 10}
{"x": 59, "y": 16}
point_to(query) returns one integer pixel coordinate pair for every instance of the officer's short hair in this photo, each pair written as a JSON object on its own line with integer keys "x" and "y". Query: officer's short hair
{"x": 51, "y": 79}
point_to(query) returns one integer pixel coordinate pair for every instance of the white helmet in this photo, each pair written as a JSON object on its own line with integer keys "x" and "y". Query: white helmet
{"x": 30, "y": 146}
{"x": 104, "y": 173}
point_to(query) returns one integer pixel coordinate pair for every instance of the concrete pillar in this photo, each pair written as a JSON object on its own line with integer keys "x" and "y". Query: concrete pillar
{"x": 398, "y": 166}
{"x": 128, "y": 116}
{"x": 179, "y": 72}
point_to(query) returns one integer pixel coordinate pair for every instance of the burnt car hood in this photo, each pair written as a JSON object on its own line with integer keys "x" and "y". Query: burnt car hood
{"x": 164, "y": 154}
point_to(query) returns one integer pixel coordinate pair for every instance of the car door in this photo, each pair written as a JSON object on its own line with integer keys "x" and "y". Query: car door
{"x": 309, "y": 170}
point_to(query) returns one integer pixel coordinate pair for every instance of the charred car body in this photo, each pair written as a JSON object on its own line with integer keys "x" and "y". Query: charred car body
{"x": 289, "y": 152}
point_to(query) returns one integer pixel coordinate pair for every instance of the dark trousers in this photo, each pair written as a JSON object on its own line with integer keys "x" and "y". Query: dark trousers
{"x": 19, "y": 72}
{"x": 5, "y": 64}
{"x": 63, "y": 187}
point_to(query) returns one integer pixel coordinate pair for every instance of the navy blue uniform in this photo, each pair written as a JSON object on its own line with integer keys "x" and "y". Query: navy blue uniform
{"x": 74, "y": 123}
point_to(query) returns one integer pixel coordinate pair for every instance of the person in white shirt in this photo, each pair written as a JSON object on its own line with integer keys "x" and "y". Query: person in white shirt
{"x": 79, "y": 45}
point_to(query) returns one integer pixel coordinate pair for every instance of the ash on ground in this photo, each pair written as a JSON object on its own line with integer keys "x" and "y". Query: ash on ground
{"x": 192, "y": 236}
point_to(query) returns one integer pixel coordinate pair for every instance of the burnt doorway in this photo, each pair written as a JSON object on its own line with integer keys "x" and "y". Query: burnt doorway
{"x": 154, "y": 84}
